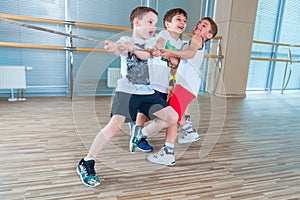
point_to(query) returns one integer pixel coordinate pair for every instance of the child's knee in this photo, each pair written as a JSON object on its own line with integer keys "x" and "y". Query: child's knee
{"x": 173, "y": 117}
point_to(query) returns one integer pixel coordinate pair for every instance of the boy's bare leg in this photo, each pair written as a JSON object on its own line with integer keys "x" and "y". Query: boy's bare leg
{"x": 182, "y": 122}
{"x": 141, "y": 119}
{"x": 102, "y": 138}
{"x": 171, "y": 134}
{"x": 165, "y": 117}
{"x": 85, "y": 167}
{"x": 187, "y": 115}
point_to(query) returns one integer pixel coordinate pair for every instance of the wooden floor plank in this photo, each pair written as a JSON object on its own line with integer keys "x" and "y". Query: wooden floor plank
{"x": 249, "y": 149}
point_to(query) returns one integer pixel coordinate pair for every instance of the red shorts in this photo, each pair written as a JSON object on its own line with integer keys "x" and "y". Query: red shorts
{"x": 180, "y": 100}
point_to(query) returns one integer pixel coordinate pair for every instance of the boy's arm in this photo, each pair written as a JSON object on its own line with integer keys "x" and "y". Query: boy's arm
{"x": 196, "y": 43}
{"x": 142, "y": 54}
{"x": 113, "y": 47}
{"x": 156, "y": 50}
{"x": 160, "y": 43}
{"x": 117, "y": 49}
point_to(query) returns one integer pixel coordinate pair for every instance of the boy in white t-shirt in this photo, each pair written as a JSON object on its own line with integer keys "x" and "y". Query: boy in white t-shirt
{"x": 162, "y": 71}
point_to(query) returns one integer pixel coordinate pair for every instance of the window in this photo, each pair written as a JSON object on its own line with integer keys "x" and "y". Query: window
{"x": 276, "y": 21}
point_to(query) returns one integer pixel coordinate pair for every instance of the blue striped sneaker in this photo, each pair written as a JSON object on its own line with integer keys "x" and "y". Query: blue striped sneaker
{"x": 86, "y": 171}
{"x": 144, "y": 146}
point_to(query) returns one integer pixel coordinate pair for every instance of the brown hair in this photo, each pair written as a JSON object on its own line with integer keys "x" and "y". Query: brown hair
{"x": 213, "y": 25}
{"x": 139, "y": 12}
{"x": 171, "y": 13}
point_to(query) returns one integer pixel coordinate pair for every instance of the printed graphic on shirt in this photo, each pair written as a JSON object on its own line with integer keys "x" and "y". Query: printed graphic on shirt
{"x": 168, "y": 46}
{"x": 137, "y": 69}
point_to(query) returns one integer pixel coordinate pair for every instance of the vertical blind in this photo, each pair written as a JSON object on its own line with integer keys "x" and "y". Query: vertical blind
{"x": 48, "y": 74}
{"x": 269, "y": 23}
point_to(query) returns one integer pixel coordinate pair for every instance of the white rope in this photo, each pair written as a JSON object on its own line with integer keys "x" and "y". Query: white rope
{"x": 30, "y": 26}
{"x": 13, "y": 22}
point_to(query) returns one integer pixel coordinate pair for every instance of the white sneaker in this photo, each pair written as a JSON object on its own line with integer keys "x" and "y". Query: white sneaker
{"x": 162, "y": 157}
{"x": 188, "y": 137}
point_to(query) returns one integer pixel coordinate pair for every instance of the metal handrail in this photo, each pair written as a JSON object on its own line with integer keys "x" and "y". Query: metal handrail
{"x": 289, "y": 62}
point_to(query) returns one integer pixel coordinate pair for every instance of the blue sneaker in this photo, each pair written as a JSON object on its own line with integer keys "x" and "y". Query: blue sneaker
{"x": 135, "y": 138}
{"x": 86, "y": 171}
{"x": 144, "y": 146}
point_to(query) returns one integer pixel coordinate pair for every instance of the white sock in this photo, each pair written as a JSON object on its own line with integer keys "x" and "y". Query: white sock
{"x": 170, "y": 147}
{"x": 87, "y": 159}
{"x": 187, "y": 127}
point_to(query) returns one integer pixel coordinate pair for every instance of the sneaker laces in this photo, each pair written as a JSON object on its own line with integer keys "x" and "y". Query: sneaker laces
{"x": 143, "y": 141}
{"x": 89, "y": 168}
{"x": 161, "y": 152}
{"x": 188, "y": 132}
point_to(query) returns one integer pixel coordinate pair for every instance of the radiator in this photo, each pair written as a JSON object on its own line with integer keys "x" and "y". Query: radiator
{"x": 113, "y": 74}
{"x": 13, "y": 77}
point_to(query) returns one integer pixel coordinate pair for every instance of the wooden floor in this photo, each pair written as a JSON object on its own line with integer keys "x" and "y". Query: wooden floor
{"x": 249, "y": 149}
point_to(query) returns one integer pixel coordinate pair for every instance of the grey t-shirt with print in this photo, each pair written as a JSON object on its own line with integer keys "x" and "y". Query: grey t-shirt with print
{"x": 135, "y": 72}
